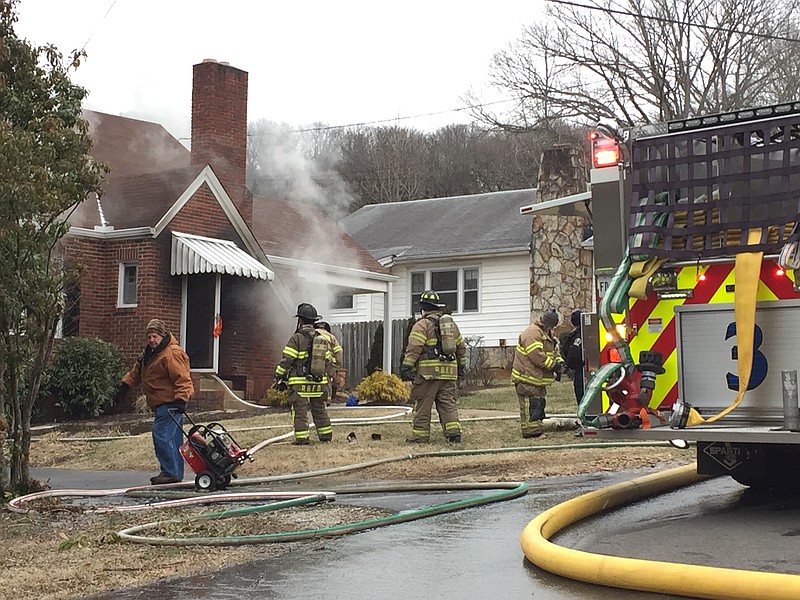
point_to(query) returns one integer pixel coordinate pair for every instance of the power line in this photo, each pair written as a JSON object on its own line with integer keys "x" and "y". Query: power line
{"x": 98, "y": 26}
{"x": 616, "y": 11}
{"x": 376, "y": 122}
{"x": 403, "y": 118}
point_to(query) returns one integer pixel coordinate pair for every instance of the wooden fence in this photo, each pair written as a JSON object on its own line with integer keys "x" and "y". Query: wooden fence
{"x": 357, "y": 339}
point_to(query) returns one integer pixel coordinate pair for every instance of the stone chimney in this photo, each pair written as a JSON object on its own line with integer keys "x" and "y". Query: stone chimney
{"x": 219, "y": 127}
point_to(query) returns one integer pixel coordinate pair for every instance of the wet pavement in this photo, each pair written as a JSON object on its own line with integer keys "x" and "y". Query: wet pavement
{"x": 475, "y": 553}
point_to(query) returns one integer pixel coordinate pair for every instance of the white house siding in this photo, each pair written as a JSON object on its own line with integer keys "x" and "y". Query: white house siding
{"x": 504, "y": 298}
{"x": 362, "y": 310}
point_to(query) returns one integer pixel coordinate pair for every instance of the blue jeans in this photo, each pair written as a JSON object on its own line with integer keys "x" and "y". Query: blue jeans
{"x": 167, "y": 438}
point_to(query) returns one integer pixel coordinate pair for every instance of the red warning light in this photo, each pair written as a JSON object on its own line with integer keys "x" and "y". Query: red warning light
{"x": 701, "y": 277}
{"x": 780, "y": 272}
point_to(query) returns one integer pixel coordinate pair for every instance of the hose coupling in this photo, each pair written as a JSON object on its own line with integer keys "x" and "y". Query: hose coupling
{"x": 680, "y": 415}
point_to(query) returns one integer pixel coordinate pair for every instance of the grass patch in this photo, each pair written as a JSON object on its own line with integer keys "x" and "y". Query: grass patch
{"x": 560, "y": 399}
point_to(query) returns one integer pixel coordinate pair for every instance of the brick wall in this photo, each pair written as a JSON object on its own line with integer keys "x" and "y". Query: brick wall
{"x": 247, "y": 347}
{"x": 219, "y": 127}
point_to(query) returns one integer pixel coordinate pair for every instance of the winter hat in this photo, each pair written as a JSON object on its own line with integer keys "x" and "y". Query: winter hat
{"x": 550, "y": 318}
{"x": 575, "y": 317}
{"x": 157, "y": 326}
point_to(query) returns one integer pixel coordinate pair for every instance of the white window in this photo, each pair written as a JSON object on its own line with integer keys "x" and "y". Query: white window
{"x": 469, "y": 286}
{"x": 128, "y": 285}
{"x": 457, "y": 288}
{"x": 342, "y": 301}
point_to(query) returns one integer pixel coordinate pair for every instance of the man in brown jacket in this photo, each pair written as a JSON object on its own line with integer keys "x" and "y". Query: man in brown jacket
{"x": 536, "y": 363}
{"x": 162, "y": 369}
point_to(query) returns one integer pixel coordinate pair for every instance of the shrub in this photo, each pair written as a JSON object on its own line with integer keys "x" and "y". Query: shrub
{"x": 277, "y": 399}
{"x": 479, "y": 372}
{"x": 382, "y": 388}
{"x": 84, "y": 375}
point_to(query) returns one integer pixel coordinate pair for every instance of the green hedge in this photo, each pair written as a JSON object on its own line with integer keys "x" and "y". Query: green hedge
{"x": 84, "y": 375}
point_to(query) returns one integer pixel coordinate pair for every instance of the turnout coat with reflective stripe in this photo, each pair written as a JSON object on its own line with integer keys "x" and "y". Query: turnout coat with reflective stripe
{"x": 421, "y": 355}
{"x": 536, "y": 357}
{"x": 292, "y": 364}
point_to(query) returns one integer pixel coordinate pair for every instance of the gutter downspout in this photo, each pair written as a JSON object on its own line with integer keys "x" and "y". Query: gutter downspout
{"x": 387, "y": 328}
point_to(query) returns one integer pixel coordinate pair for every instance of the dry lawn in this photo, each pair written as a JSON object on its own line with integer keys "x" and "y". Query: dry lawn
{"x": 66, "y": 553}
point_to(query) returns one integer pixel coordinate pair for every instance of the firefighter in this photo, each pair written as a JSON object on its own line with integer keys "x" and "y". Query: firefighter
{"x": 337, "y": 364}
{"x": 307, "y": 383}
{"x": 433, "y": 364}
{"x": 571, "y": 348}
{"x": 536, "y": 363}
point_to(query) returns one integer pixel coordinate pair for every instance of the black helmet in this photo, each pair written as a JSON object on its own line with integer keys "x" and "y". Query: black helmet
{"x": 323, "y": 325}
{"x": 550, "y": 318}
{"x": 575, "y": 317}
{"x": 307, "y": 313}
{"x": 429, "y": 300}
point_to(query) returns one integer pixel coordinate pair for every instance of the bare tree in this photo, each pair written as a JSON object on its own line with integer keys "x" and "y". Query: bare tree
{"x": 384, "y": 164}
{"x": 642, "y": 61}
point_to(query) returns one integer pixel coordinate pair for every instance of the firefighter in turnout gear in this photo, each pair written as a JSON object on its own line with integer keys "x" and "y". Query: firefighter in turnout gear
{"x": 434, "y": 358}
{"x": 337, "y": 364}
{"x": 537, "y": 363}
{"x": 303, "y": 369}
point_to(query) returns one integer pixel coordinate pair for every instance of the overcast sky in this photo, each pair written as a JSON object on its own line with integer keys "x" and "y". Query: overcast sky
{"x": 315, "y": 61}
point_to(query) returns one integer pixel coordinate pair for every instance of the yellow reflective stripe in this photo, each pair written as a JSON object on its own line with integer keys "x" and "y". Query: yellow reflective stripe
{"x": 279, "y": 370}
{"x": 530, "y": 348}
{"x": 301, "y": 435}
{"x": 550, "y": 361}
{"x": 421, "y": 432}
{"x": 418, "y": 336}
{"x": 453, "y": 425}
{"x": 303, "y": 381}
{"x": 516, "y": 375}
{"x": 291, "y": 352}
{"x": 324, "y": 430}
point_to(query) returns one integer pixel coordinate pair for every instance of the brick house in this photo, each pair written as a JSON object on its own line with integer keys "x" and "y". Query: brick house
{"x": 177, "y": 235}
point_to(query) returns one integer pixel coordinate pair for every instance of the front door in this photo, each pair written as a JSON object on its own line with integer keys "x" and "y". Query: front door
{"x": 201, "y": 299}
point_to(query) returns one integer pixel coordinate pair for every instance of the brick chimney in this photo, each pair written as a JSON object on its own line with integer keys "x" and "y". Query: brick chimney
{"x": 219, "y": 127}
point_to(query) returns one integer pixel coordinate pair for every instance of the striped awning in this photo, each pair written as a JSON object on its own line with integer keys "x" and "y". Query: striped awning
{"x": 195, "y": 254}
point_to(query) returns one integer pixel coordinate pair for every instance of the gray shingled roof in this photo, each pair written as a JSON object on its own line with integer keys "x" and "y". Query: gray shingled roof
{"x": 443, "y": 227}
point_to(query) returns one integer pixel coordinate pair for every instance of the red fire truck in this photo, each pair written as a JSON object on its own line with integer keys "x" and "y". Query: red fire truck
{"x": 696, "y": 336}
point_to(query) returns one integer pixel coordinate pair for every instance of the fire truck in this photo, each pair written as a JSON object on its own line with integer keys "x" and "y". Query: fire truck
{"x": 696, "y": 334}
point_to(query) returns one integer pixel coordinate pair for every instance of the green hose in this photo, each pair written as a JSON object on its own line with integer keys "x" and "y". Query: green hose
{"x": 508, "y": 491}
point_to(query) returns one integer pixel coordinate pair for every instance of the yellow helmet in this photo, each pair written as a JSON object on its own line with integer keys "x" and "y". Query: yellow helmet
{"x": 431, "y": 300}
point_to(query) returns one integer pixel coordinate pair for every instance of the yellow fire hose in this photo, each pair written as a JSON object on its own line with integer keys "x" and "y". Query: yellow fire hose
{"x": 747, "y": 271}
{"x": 635, "y": 574}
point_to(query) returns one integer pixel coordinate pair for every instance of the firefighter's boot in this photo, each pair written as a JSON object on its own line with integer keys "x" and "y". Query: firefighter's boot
{"x": 533, "y": 431}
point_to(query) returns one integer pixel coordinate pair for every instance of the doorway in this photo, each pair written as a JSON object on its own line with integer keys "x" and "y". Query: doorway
{"x": 201, "y": 299}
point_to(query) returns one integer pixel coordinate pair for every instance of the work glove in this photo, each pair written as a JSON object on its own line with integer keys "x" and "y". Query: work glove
{"x": 280, "y": 385}
{"x": 122, "y": 390}
{"x": 406, "y": 373}
{"x": 179, "y": 407}
{"x": 462, "y": 371}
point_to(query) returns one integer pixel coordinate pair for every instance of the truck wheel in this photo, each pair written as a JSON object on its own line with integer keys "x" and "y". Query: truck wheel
{"x": 204, "y": 482}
